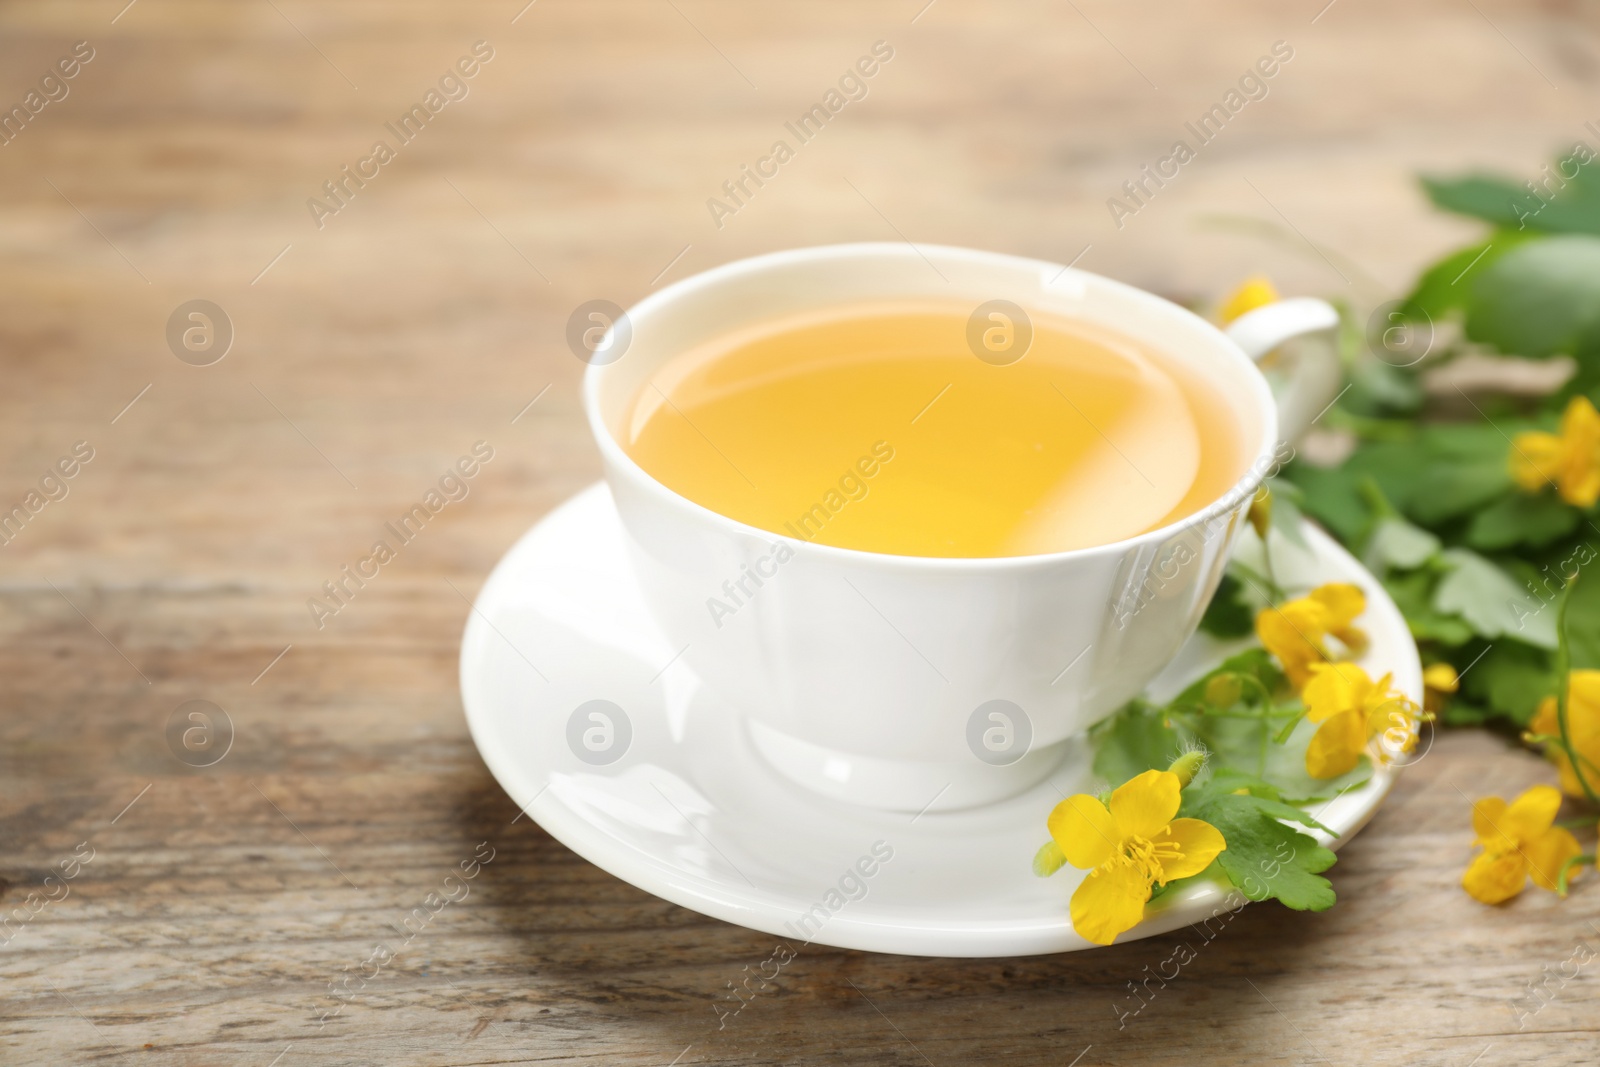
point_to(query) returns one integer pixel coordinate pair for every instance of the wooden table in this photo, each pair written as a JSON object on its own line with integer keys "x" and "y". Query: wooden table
{"x": 428, "y": 314}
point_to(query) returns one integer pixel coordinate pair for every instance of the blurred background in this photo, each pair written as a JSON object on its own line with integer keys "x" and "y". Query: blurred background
{"x": 373, "y": 346}
{"x": 428, "y": 311}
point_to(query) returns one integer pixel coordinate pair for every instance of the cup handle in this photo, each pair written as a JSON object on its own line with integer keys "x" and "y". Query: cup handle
{"x": 1309, "y": 380}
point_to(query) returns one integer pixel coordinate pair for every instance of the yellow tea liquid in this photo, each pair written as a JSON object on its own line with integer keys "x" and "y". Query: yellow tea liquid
{"x": 877, "y": 428}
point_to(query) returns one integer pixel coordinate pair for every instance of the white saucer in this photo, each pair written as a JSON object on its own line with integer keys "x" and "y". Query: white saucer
{"x": 688, "y": 811}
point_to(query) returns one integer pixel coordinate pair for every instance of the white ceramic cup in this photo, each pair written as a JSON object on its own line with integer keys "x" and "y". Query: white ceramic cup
{"x": 922, "y": 683}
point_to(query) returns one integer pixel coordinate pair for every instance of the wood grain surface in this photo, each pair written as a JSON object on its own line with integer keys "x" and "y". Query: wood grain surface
{"x": 428, "y": 313}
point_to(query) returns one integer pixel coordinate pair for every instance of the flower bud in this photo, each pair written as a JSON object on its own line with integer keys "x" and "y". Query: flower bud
{"x": 1260, "y": 513}
{"x": 1188, "y": 765}
{"x": 1048, "y": 860}
{"x": 1256, "y": 291}
{"x": 1224, "y": 691}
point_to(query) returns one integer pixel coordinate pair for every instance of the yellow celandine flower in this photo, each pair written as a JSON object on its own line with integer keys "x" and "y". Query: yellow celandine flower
{"x": 1569, "y": 461}
{"x": 1583, "y": 730}
{"x": 1294, "y": 630}
{"x": 1439, "y": 681}
{"x": 1256, "y": 291}
{"x": 1518, "y": 839}
{"x": 1127, "y": 849}
{"x": 1352, "y": 709}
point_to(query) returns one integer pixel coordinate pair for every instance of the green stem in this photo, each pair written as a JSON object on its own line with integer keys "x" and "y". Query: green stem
{"x": 1581, "y": 823}
{"x": 1261, "y": 687}
{"x": 1261, "y": 759}
{"x": 1266, "y": 562}
{"x": 1372, "y": 493}
{"x": 1269, "y": 707}
{"x": 1288, "y": 727}
{"x": 1564, "y": 686}
{"x": 1566, "y": 871}
{"x": 1369, "y": 429}
{"x": 1253, "y": 716}
{"x": 1264, "y": 715}
{"x": 1274, "y": 590}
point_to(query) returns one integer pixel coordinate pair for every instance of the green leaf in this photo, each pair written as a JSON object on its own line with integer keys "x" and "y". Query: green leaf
{"x": 1447, "y": 285}
{"x": 1134, "y": 740}
{"x": 1332, "y": 495}
{"x": 1379, "y": 388}
{"x": 1456, "y": 469}
{"x": 1585, "y": 381}
{"x": 1265, "y": 859}
{"x": 1241, "y": 740}
{"x": 1568, "y": 202}
{"x": 1482, "y": 196}
{"x": 1243, "y": 744}
{"x": 1256, "y": 663}
{"x": 1287, "y": 518}
{"x": 1459, "y": 712}
{"x": 1268, "y": 860}
{"x": 1573, "y": 209}
{"x": 1508, "y": 679}
{"x": 1231, "y": 781}
{"x": 1540, "y": 299}
{"x": 1413, "y": 595}
{"x": 1439, "y": 473}
{"x": 1465, "y": 442}
{"x": 1399, "y": 545}
{"x": 1491, "y": 601}
{"x": 1228, "y": 615}
{"x": 1583, "y": 610}
{"x": 1535, "y": 520}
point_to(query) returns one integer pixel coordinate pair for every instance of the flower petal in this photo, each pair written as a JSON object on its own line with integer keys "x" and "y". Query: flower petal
{"x": 1353, "y": 637}
{"x": 1569, "y": 777}
{"x": 1580, "y": 421}
{"x": 1583, "y": 723}
{"x": 1583, "y": 696}
{"x": 1143, "y": 806}
{"x": 1293, "y": 633}
{"x": 1254, "y": 292}
{"x": 1084, "y": 831}
{"x": 1337, "y": 745}
{"x": 1110, "y": 901}
{"x": 1579, "y": 482}
{"x": 1580, "y": 487}
{"x": 1549, "y": 854}
{"x": 1342, "y": 601}
{"x": 1487, "y": 816}
{"x": 1544, "y": 718}
{"x": 1495, "y": 878}
{"x": 1441, "y": 678}
{"x": 1334, "y": 688}
{"x": 1535, "y": 459}
{"x": 1583, "y": 727}
{"x": 1393, "y": 717}
{"x": 1198, "y": 843}
{"x": 1530, "y": 815}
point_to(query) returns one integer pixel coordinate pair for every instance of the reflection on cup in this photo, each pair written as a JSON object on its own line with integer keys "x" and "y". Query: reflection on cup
{"x": 599, "y": 732}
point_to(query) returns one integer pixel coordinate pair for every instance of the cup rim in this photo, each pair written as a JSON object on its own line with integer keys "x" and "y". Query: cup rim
{"x": 617, "y": 459}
